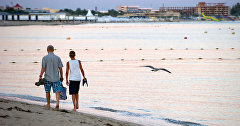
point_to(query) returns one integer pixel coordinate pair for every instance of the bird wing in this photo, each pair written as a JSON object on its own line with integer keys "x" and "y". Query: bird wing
{"x": 165, "y": 70}
{"x": 149, "y": 67}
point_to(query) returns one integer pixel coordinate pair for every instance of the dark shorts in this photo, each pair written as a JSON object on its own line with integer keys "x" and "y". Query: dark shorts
{"x": 74, "y": 87}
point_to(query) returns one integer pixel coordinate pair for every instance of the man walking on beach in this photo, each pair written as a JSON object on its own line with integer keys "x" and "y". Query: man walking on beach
{"x": 52, "y": 65}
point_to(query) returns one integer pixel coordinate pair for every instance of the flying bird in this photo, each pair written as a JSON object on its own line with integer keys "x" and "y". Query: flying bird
{"x": 157, "y": 69}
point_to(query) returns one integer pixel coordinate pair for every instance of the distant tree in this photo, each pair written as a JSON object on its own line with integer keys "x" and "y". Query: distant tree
{"x": 12, "y": 11}
{"x": 102, "y": 14}
{"x": 9, "y": 9}
{"x": 94, "y": 12}
{"x": 79, "y": 11}
{"x": 120, "y": 12}
{"x": 236, "y": 10}
{"x": 70, "y": 11}
{"x": 84, "y": 12}
{"x": 113, "y": 13}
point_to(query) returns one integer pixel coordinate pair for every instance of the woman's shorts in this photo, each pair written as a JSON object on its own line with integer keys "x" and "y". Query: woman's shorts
{"x": 74, "y": 87}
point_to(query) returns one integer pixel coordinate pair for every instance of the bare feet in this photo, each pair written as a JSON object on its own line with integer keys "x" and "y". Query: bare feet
{"x": 74, "y": 110}
{"x": 77, "y": 107}
{"x": 47, "y": 106}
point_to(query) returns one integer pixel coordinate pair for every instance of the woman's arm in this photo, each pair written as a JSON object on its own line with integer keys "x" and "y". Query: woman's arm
{"x": 81, "y": 68}
{"x": 67, "y": 71}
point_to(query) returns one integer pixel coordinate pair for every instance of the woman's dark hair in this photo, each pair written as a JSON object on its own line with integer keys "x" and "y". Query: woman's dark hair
{"x": 72, "y": 54}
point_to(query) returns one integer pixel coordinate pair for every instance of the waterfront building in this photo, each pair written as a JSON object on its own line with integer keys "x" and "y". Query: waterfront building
{"x": 51, "y": 10}
{"x": 36, "y": 11}
{"x": 3, "y": 16}
{"x": 90, "y": 16}
{"x": 182, "y": 10}
{"x": 133, "y": 9}
{"x": 123, "y": 8}
{"x": 33, "y": 17}
{"x": 104, "y": 12}
{"x": 212, "y": 8}
{"x": 18, "y": 7}
{"x": 161, "y": 16}
{"x": 39, "y": 15}
{"x": 136, "y": 12}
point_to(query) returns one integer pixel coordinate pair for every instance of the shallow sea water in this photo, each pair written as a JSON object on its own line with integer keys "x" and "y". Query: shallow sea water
{"x": 203, "y": 89}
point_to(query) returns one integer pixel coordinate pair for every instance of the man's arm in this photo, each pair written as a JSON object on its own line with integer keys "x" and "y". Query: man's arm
{"x": 41, "y": 73}
{"x": 67, "y": 71}
{"x": 81, "y": 68}
{"x": 60, "y": 65}
{"x": 61, "y": 74}
{"x": 43, "y": 68}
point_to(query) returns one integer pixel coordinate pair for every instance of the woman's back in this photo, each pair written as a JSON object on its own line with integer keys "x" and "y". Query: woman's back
{"x": 74, "y": 70}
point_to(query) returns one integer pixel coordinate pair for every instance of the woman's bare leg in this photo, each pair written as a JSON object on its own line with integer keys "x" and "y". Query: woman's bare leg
{"x": 74, "y": 101}
{"x": 77, "y": 97}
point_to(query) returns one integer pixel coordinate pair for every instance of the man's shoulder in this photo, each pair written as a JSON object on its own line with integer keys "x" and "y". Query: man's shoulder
{"x": 53, "y": 56}
{"x": 44, "y": 57}
{"x": 57, "y": 56}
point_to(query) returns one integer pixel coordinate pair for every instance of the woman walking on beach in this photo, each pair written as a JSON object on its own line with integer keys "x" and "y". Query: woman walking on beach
{"x": 75, "y": 66}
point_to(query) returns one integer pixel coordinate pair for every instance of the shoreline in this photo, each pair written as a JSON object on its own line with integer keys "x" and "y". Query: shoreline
{"x": 28, "y": 23}
{"x": 16, "y": 112}
{"x": 39, "y": 23}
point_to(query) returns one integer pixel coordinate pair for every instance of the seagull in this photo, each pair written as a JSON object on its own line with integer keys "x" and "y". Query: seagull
{"x": 157, "y": 69}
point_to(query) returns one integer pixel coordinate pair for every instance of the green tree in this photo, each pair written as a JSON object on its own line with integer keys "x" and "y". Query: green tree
{"x": 70, "y": 11}
{"x": 84, "y": 12}
{"x": 236, "y": 10}
{"x": 113, "y": 13}
{"x": 79, "y": 11}
{"x": 12, "y": 11}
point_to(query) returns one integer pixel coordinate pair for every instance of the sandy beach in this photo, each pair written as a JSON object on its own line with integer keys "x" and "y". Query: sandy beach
{"x": 14, "y": 113}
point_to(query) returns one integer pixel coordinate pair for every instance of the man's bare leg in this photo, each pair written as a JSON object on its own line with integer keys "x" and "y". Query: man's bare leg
{"x": 57, "y": 98}
{"x": 48, "y": 100}
{"x": 77, "y": 105}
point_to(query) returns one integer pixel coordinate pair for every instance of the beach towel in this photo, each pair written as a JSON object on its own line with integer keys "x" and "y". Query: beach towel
{"x": 63, "y": 94}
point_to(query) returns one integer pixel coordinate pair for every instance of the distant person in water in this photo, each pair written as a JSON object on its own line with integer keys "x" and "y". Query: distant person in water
{"x": 74, "y": 66}
{"x": 52, "y": 66}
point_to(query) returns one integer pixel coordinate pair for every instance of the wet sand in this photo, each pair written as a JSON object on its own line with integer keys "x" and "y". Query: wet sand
{"x": 14, "y": 113}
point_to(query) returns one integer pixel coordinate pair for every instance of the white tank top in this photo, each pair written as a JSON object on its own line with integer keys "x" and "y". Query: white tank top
{"x": 75, "y": 74}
